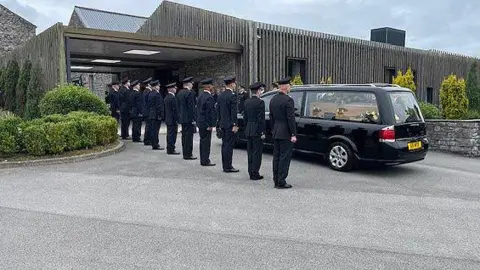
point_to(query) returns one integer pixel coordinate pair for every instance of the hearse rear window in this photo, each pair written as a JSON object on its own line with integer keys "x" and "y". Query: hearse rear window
{"x": 342, "y": 105}
{"x": 405, "y": 107}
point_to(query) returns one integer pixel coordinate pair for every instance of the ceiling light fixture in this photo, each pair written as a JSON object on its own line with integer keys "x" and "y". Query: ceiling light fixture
{"x": 142, "y": 52}
{"x": 107, "y": 61}
{"x": 80, "y": 67}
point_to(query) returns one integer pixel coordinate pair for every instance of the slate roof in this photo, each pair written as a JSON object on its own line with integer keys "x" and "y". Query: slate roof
{"x": 107, "y": 20}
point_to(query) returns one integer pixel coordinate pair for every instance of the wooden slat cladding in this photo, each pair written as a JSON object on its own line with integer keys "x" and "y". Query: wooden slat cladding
{"x": 47, "y": 49}
{"x": 177, "y": 20}
{"x": 349, "y": 60}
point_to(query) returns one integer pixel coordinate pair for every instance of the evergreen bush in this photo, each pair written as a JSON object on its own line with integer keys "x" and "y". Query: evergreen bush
{"x": 405, "y": 80}
{"x": 453, "y": 98}
{"x": 473, "y": 87}
{"x": 430, "y": 111}
{"x": 10, "y": 79}
{"x": 22, "y": 87}
{"x": 297, "y": 80}
{"x": 35, "y": 91}
{"x": 68, "y": 98}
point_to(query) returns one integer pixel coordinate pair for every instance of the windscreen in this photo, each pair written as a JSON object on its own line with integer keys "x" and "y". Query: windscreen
{"x": 405, "y": 107}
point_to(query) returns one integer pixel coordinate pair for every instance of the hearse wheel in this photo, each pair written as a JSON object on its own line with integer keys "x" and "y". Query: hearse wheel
{"x": 340, "y": 157}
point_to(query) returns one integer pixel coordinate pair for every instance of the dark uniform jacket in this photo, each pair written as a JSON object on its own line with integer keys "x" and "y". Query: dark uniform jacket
{"x": 241, "y": 101}
{"x": 254, "y": 117}
{"x": 156, "y": 107}
{"x": 145, "y": 94}
{"x": 206, "y": 111}
{"x": 227, "y": 109}
{"x": 186, "y": 105}
{"x": 171, "y": 110}
{"x": 114, "y": 100}
{"x": 136, "y": 103}
{"x": 123, "y": 95}
{"x": 282, "y": 117}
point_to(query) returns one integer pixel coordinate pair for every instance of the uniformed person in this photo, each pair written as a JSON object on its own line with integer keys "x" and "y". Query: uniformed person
{"x": 254, "y": 117}
{"x": 156, "y": 109}
{"x": 242, "y": 97}
{"x": 125, "y": 108}
{"x": 282, "y": 119}
{"x": 227, "y": 121}
{"x": 206, "y": 121}
{"x": 171, "y": 118}
{"x": 145, "y": 111}
{"x": 136, "y": 111}
{"x": 186, "y": 104}
{"x": 114, "y": 101}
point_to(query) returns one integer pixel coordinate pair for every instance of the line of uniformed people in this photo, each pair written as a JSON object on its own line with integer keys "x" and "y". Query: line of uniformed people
{"x": 127, "y": 103}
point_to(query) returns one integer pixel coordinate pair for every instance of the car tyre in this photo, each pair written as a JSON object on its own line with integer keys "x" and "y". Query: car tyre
{"x": 340, "y": 157}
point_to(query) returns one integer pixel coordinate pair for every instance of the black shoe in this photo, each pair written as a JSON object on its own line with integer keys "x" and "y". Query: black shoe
{"x": 232, "y": 170}
{"x": 147, "y": 144}
{"x": 190, "y": 158}
{"x": 286, "y": 186}
{"x": 173, "y": 153}
{"x": 137, "y": 141}
{"x": 158, "y": 148}
{"x": 208, "y": 165}
{"x": 258, "y": 177}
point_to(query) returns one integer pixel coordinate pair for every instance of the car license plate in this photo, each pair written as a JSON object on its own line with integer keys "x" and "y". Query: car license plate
{"x": 414, "y": 145}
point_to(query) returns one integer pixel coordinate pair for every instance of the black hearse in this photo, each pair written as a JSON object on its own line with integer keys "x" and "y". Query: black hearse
{"x": 353, "y": 124}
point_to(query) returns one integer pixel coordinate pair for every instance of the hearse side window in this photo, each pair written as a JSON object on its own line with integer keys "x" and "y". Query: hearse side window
{"x": 267, "y": 100}
{"x": 405, "y": 107}
{"x": 342, "y": 105}
{"x": 297, "y": 99}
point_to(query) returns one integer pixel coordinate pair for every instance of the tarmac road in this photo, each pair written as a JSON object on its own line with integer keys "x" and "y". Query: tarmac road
{"x": 142, "y": 209}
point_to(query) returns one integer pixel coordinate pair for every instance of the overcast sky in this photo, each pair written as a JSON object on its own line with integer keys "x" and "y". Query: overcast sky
{"x": 430, "y": 24}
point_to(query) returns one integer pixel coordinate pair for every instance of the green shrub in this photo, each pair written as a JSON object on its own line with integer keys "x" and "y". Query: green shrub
{"x": 68, "y": 98}
{"x": 10, "y": 79}
{"x": 22, "y": 87}
{"x": 36, "y": 142}
{"x": 473, "y": 87}
{"x": 453, "y": 98}
{"x": 472, "y": 114}
{"x": 106, "y": 130}
{"x": 8, "y": 144}
{"x": 297, "y": 80}
{"x": 4, "y": 114}
{"x": 430, "y": 111}
{"x": 405, "y": 80}
{"x": 70, "y": 135}
{"x": 35, "y": 92}
{"x": 55, "y": 137}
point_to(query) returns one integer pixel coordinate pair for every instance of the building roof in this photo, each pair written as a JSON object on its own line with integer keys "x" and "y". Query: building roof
{"x": 21, "y": 18}
{"x": 107, "y": 20}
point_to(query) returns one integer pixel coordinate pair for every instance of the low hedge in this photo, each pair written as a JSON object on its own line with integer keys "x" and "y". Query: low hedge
{"x": 56, "y": 133}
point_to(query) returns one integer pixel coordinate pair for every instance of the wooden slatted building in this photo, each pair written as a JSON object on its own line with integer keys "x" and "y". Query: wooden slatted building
{"x": 260, "y": 52}
{"x": 271, "y": 51}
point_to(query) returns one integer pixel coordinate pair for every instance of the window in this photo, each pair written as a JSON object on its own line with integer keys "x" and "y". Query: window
{"x": 389, "y": 74}
{"x": 267, "y": 99}
{"x": 342, "y": 105}
{"x": 405, "y": 107}
{"x": 297, "y": 67}
{"x": 429, "y": 94}
{"x": 297, "y": 99}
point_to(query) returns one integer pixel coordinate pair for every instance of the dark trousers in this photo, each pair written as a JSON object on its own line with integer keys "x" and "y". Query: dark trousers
{"x": 136, "y": 129}
{"x": 171, "y": 138}
{"x": 116, "y": 116}
{"x": 255, "y": 150}
{"x": 146, "y": 136}
{"x": 187, "y": 140}
{"x": 154, "y": 130}
{"x": 282, "y": 154}
{"x": 125, "y": 124}
{"x": 205, "y": 144}
{"x": 228, "y": 141}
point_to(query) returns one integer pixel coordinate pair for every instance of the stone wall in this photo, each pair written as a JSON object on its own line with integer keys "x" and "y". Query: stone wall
{"x": 460, "y": 137}
{"x": 216, "y": 67}
{"x": 96, "y": 82}
{"x": 75, "y": 20}
{"x": 139, "y": 74}
{"x": 14, "y": 30}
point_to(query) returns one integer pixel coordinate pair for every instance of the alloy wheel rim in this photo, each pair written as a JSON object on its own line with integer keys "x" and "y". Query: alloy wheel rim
{"x": 338, "y": 156}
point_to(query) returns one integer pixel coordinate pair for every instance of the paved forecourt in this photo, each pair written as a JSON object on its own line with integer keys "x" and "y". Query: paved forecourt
{"x": 144, "y": 209}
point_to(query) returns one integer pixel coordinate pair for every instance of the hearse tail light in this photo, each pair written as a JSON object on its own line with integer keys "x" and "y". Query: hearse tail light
{"x": 387, "y": 134}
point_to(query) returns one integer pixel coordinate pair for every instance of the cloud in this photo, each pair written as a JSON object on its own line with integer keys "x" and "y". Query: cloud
{"x": 442, "y": 24}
